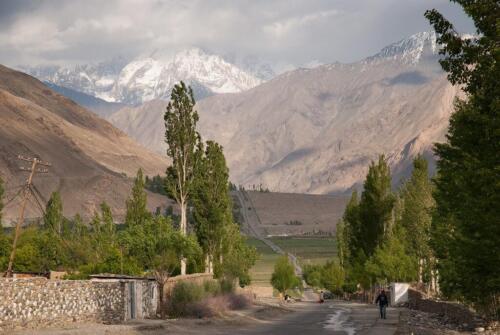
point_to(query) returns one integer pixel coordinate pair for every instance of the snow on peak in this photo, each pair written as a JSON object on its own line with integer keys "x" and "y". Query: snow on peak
{"x": 153, "y": 77}
{"x": 409, "y": 50}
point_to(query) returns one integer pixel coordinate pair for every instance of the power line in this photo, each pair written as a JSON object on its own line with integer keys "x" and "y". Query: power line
{"x": 27, "y": 191}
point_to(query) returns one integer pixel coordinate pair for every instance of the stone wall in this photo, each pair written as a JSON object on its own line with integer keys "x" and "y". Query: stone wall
{"x": 38, "y": 302}
{"x": 453, "y": 312}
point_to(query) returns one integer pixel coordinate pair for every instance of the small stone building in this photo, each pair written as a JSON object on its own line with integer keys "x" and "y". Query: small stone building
{"x": 140, "y": 294}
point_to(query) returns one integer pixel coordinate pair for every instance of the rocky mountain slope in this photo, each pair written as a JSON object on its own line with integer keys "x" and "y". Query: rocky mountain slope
{"x": 150, "y": 76}
{"x": 99, "y": 106}
{"x": 316, "y": 130}
{"x": 92, "y": 161}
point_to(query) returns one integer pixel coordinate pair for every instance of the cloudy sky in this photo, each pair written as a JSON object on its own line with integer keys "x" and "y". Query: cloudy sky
{"x": 279, "y": 31}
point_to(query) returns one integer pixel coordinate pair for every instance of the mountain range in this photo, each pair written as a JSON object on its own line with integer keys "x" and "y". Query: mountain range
{"x": 91, "y": 160}
{"x": 316, "y": 130}
{"x": 152, "y": 76}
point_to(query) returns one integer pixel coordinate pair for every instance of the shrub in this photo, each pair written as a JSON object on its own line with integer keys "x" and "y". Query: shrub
{"x": 226, "y": 285}
{"x": 183, "y": 294}
{"x": 212, "y": 287}
{"x": 284, "y": 277}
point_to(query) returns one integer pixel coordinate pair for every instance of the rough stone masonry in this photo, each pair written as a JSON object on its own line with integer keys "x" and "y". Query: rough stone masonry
{"x": 38, "y": 302}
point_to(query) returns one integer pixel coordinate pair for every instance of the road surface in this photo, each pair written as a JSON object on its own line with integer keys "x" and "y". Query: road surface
{"x": 331, "y": 318}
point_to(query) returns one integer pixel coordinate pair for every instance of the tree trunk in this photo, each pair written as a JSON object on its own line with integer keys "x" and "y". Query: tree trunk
{"x": 183, "y": 226}
{"x": 183, "y": 229}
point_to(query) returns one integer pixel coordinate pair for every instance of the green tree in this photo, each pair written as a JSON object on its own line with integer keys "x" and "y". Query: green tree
{"x": 312, "y": 275}
{"x": 158, "y": 248}
{"x": 183, "y": 148}
{"x": 1, "y": 202}
{"x": 375, "y": 207}
{"x": 283, "y": 277}
{"x": 137, "y": 209}
{"x": 416, "y": 217}
{"x": 109, "y": 228}
{"x": 352, "y": 228}
{"x": 4, "y": 240}
{"x": 342, "y": 239}
{"x": 211, "y": 201}
{"x": 466, "y": 225}
{"x": 53, "y": 217}
{"x": 237, "y": 257}
{"x": 333, "y": 277}
{"x": 390, "y": 262}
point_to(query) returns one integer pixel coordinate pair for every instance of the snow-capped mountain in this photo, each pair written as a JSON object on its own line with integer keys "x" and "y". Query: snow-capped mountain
{"x": 315, "y": 130}
{"x": 150, "y": 77}
{"x": 92, "y": 79}
{"x": 411, "y": 50}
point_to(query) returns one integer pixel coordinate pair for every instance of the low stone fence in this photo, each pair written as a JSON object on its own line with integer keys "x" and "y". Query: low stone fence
{"x": 38, "y": 302}
{"x": 454, "y": 312}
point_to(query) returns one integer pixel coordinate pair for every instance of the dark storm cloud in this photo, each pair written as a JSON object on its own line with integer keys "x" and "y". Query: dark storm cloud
{"x": 282, "y": 31}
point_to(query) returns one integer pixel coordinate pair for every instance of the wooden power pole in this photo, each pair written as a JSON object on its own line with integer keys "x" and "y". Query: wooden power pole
{"x": 26, "y": 193}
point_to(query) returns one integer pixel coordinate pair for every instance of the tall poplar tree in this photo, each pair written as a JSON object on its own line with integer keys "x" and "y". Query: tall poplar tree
{"x": 352, "y": 228}
{"x": 375, "y": 207}
{"x": 137, "y": 210}
{"x": 467, "y": 226}
{"x": 183, "y": 148}
{"x": 211, "y": 201}
{"x": 416, "y": 217}
{"x": 53, "y": 217}
{"x": 1, "y": 203}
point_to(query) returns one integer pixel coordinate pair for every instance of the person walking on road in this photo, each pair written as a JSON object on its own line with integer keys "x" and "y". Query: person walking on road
{"x": 382, "y": 302}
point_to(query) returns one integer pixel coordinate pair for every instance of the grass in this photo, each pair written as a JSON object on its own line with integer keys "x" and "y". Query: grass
{"x": 263, "y": 268}
{"x": 308, "y": 250}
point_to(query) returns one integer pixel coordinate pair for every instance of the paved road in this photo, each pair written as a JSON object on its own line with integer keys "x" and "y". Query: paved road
{"x": 330, "y": 318}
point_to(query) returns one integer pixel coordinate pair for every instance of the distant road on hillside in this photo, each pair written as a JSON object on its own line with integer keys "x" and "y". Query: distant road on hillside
{"x": 253, "y": 225}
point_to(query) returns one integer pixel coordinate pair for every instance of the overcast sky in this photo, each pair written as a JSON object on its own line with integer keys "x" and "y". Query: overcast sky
{"x": 278, "y": 31}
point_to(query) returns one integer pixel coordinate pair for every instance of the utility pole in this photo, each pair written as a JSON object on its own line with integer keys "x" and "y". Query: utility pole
{"x": 26, "y": 193}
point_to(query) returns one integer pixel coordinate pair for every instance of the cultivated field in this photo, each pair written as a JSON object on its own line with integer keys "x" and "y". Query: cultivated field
{"x": 281, "y": 214}
{"x": 308, "y": 251}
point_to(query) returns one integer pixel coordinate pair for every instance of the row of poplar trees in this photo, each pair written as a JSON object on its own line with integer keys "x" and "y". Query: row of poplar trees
{"x": 447, "y": 229}
{"x": 199, "y": 179}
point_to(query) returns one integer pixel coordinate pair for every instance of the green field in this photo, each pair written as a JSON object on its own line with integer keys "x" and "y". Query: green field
{"x": 263, "y": 268}
{"x": 308, "y": 251}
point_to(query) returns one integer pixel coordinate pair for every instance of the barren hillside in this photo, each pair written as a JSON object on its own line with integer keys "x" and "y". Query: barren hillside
{"x": 316, "y": 130}
{"x": 90, "y": 158}
{"x": 294, "y": 214}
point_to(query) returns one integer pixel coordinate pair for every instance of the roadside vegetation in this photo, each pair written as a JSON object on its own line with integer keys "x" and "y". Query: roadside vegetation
{"x": 208, "y": 299}
{"x": 283, "y": 278}
{"x": 442, "y": 234}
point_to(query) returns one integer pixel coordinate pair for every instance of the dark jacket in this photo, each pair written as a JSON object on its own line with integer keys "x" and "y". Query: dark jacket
{"x": 382, "y": 299}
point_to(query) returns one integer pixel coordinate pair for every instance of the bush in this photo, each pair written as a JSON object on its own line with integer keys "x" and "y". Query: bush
{"x": 212, "y": 287}
{"x": 184, "y": 294}
{"x": 312, "y": 275}
{"x": 204, "y": 300}
{"x": 226, "y": 285}
{"x": 283, "y": 277}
